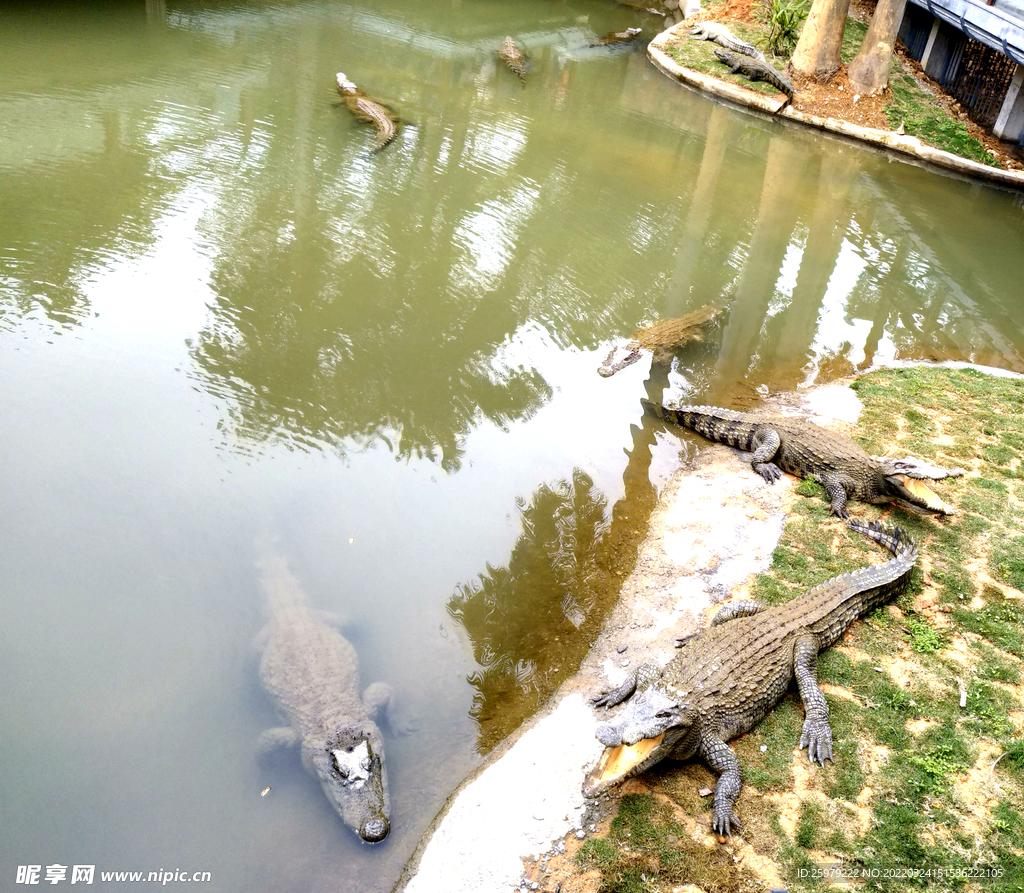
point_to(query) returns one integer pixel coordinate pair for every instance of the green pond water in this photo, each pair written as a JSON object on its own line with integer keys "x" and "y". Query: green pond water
{"x": 228, "y": 331}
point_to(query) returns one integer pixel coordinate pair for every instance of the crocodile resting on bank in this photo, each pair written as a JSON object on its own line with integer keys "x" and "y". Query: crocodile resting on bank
{"x": 758, "y": 70}
{"x": 784, "y": 443}
{"x": 365, "y": 109}
{"x": 718, "y": 33}
{"x": 312, "y": 674}
{"x": 727, "y": 678}
{"x": 662, "y": 339}
{"x": 513, "y": 57}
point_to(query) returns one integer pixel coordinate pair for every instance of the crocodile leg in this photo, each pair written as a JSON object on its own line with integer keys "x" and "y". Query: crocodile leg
{"x": 836, "y": 493}
{"x": 642, "y": 674}
{"x": 817, "y": 734}
{"x": 379, "y": 698}
{"x": 718, "y": 755}
{"x": 279, "y": 738}
{"x": 766, "y": 444}
{"x": 736, "y": 609}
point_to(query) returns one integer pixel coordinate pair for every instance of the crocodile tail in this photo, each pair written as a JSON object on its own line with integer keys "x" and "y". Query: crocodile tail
{"x": 895, "y": 539}
{"x": 727, "y": 426}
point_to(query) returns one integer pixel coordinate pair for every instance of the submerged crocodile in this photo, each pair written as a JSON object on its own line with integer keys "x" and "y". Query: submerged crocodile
{"x": 365, "y": 109}
{"x": 758, "y": 70}
{"x": 661, "y": 339}
{"x": 612, "y": 38}
{"x": 727, "y": 678}
{"x": 783, "y": 443}
{"x": 718, "y": 33}
{"x": 312, "y": 674}
{"x": 513, "y": 57}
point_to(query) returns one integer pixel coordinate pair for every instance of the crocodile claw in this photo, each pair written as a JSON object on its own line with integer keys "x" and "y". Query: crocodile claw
{"x": 724, "y": 820}
{"x": 839, "y": 511}
{"x": 769, "y": 471}
{"x": 817, "y": 738}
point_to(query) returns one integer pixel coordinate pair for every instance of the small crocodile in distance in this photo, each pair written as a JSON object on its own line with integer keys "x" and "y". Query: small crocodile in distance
{"x": 757, "y": 70}
{"x": 727, "y": 678}
{"x": 784, "y": 443}
{"x": 312, "y": 674}
{"x": 662, "y": 339}
{"x": 365, "y": 109}
{"x": 718, "y": 33}
{"x": 513, "y": 57}
{"x": 613, "y": 38}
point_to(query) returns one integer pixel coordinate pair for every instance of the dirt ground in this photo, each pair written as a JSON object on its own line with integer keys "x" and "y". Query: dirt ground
{"x": 836, "y": 99}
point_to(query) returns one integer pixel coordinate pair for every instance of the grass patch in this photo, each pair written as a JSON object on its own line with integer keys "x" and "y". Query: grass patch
{"x": 647, "y": 850}
{"x": 923, "y": 117}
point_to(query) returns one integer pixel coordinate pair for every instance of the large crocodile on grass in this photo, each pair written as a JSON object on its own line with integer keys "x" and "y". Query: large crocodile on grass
{"x": 365, "y": 109}
{"x": 513, "y": 57}
{"x": 727, "y": 678}
{"x": 758, "y": 70}
{"x": 720, "y": 34}
{"x": 662, "y": 339}
{"x": 312, "y": 674}
{"x": 784, "y": 443}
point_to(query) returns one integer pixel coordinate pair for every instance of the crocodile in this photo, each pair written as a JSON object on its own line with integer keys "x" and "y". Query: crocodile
{"x": 786, "y": 443}
{"x": 718, "y": 33}
{"x": 365, "y": 109}
{"x": 613, "y": 38}
{"x": 728, "y": 677}
{"x": 513, "y": 57}
{"x": 311, "y": 672}
{"x": 758, "y": 70}
{"x": 661, "y": 339}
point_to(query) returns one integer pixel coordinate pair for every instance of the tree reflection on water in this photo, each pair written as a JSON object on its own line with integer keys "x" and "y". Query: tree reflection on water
{"x": 518, "y": 615}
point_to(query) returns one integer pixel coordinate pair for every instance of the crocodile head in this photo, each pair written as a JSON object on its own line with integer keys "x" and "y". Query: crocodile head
{"x": 914, "y": 495}
{"x": 649, "y": 728}
{"x": 350, "y": 765}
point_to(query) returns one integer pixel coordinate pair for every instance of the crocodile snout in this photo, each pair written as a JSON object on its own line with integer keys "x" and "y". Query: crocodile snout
{"x": 374, "y": 830}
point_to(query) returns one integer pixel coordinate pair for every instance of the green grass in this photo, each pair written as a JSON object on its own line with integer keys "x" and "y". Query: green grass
{"x": 923, "y": 117}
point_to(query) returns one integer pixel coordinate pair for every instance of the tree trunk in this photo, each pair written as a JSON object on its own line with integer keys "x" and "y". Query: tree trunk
{"x": 817, "y": 51}
{"x": 869, "y": 71}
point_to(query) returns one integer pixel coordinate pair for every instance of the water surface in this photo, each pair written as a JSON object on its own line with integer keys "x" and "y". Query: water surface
{"x": 226, "y": 329}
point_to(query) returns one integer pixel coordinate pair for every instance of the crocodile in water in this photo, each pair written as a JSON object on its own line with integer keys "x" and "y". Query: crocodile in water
{"x": 757, "y": 70}
{"x": 513, "y": 57}
{"x": 613, "y": 38}
{"x": 718, "y": 33}
{"x": 312, "y": 674}
{"x": 784, "y": 443}
{"x": 726, "y": 679}
{"x": 365, "y": 109}
{"x": 662, "y": 339}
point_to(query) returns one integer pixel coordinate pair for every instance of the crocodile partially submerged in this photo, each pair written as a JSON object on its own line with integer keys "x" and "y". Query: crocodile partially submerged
{"x": 662, "y": 339}
{"x": 513, "y": 57}
{"x": 726, "y": 679}
{"x": 785, "y": 443}
{"x": 758, "y": 70}
{"x": 720, "y": 34}
{"x": 366, "y": 109}
{"x": 615, "y": 38}
{"x": 312, "y": 674}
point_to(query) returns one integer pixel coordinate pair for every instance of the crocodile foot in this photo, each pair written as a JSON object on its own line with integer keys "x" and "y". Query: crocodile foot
{"x": 724, "y": 820}
{"x": 817, "y": 738}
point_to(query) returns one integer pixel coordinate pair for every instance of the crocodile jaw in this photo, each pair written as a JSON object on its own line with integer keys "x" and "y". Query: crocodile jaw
{"x": 619, "y": 762}
{"x": 916, "y": 496}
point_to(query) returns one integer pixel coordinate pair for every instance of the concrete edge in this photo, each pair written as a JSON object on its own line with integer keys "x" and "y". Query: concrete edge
{"x": 901, "y": 144}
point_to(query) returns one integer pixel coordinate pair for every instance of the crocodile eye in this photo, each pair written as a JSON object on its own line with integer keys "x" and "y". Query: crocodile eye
{"x": 665, "y": 714}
